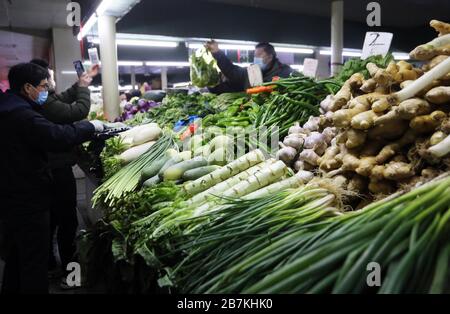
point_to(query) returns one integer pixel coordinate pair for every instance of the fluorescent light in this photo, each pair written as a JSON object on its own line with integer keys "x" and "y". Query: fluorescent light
{"x": 294, "y": 50}
{"x": 141, "y": 43}
{"x": 236, "y": 47}
{"x": 167, "y": 63}
{"x": 224, "y": 46}
{"x": 103, "y": 6}
{"x": 99, "y": 88}
{"x": 183, "y": 84}
{"x": 130, "y": 63}
{"x": 68, "y": 72}
{"x": 194, "y": 46}
{"x": 146, "y": 43}
{"x": 345, "y": 53}
{"x": 243, "y": 65}
{"x": 297, "y": 67}
{"x": 400, "y": 56}
{"x": 87, "y": 27}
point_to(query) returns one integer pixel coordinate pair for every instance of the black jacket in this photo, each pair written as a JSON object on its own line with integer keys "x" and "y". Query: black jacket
{"x": 26, "y": 138}
{"x": 237, "y": 77}
{"x": 68, "y": 107}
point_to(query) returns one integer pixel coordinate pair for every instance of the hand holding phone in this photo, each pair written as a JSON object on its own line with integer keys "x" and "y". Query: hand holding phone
{"x": 79, "y": 67}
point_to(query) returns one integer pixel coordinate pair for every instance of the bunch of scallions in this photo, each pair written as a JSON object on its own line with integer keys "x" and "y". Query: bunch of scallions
{"x": 127, "y": 179}
{"x": 254, "y": 247}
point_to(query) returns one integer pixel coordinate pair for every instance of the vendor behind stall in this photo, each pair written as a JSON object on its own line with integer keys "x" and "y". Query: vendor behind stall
{"x": 237, "y": 78}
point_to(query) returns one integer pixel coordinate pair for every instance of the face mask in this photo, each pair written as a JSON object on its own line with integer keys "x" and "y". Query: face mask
{"x": 260, "y": 62}
{"x": 42, "y": 97}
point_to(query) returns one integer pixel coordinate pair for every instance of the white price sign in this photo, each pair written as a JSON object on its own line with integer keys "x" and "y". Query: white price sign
{"x": 310, "y": 67}
{"x": 376, "y": 43}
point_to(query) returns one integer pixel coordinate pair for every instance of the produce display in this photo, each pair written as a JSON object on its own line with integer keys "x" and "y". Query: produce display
{"x": 361, "y": 176}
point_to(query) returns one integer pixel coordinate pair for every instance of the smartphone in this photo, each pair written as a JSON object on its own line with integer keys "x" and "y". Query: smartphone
{"x": 79, "y": 67}
{"x": 93, "y": 56}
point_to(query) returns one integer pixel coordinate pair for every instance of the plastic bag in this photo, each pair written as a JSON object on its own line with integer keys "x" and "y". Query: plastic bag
{"x": 204, "y": 69}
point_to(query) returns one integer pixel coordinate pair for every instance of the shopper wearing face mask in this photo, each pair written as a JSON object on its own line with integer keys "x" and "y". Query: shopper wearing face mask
{"x": 70, "y": 106}
{"x": 237, "y": 78}
{"x": 25, "y": 181}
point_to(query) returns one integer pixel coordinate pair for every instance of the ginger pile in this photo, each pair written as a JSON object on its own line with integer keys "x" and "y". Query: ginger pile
{"x": 376, "y": 135}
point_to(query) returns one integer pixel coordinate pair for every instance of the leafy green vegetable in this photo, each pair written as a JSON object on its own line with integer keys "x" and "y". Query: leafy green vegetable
{"x": 356, "y": 65}
{"x": 204, "y": 70}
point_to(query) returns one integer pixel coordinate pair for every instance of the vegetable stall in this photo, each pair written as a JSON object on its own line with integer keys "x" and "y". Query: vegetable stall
{"x": 359, "y": 175}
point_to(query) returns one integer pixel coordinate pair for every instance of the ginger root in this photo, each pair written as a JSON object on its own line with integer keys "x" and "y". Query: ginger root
{"x": 390, "y": 130}
{"x": 441, "y": 27}
{"x": 345, "y": 93}
{"x": 439, "y": 95}
{"x": 384, "y": 187}
{"x": 406, "y": 110}
{"x": 355, "y": 138}
{"x": 392, "y": 149}
{"x": 427, "y": 123}
{"x": 364, "y": 120}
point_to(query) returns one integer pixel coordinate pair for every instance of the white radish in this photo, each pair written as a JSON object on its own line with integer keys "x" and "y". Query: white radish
{"x": 260, "y": 179}
{"x": 147, "y": 134}
{"x": 135, "y": 152}
{"x": 233, "y": 168}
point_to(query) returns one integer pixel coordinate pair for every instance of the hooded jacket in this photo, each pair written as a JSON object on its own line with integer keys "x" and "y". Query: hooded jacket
{"x": 27, "y": 138}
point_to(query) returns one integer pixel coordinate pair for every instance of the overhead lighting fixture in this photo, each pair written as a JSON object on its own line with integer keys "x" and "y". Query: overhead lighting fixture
{"x": 130, "y": 63}
{"x": 298, "y": 67}
{"x": 223, "y": 46}
{"x": 120, "y": 8}
{"x": 294, "y": 50}
{"x": 345, "y": 53}
{"x": 103, "y": 6}
{"x": 87, "y": 27}
{"x": 141, "y": 43}
{"x": 167, "y": 63}
{"x": 400, "y": 56}
{"x": 68, "y": 72}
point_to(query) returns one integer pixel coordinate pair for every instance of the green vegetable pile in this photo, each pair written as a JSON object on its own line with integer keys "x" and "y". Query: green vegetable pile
{"x": 179, "y": 107}
{"x": 356, "y": 65}
{"x": 204, "y": 70}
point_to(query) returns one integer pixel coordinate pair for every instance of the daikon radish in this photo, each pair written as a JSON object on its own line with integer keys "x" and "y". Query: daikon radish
{"x": 134, "y": 152}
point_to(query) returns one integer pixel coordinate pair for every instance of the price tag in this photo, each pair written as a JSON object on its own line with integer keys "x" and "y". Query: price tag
{"x": 310, "y": 67}
{"x": 376, "y": 43}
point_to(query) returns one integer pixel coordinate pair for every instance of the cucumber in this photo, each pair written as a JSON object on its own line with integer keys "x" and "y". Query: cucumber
{"x": 153, "y": 168}
{"x": 152, "y": 181}
{"x": 196, "y": 173}
{"x": 175, "y": 172}
{"x": 172, "y": 161}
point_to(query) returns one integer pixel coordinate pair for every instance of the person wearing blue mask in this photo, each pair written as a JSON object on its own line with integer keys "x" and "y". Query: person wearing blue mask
{"x": 236, "y": 78}
{"x": 25, "y": 182}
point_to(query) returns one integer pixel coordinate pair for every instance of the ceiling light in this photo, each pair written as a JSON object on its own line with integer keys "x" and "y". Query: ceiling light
{"x": 167, "y": 63}
{"x": 345, "y": 53}
{"x": 294, "y": 50}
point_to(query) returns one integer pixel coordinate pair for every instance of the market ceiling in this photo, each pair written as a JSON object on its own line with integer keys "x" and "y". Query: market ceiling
{"x": 284, "y": 21}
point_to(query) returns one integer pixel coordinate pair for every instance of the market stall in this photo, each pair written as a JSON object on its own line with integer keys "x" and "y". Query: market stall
{"x": 194, "y": 203}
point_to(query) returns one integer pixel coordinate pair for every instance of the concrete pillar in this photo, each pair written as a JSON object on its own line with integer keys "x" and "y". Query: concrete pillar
{"x": 337, "y": 35}
{"x": 110, "y": 76}
{"x": 163, "y": 77}
{"x": 66, "y": 49}
{"x": 133, "y": 77}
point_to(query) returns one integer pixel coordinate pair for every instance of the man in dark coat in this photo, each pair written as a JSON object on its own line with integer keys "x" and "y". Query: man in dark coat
{"x": 68, "y": 107}
{"x": 25, "y": 188}
{"x": 237, "y": 79}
